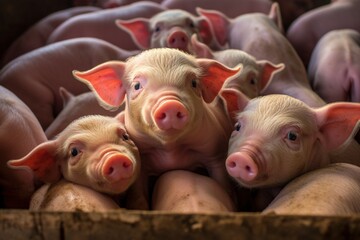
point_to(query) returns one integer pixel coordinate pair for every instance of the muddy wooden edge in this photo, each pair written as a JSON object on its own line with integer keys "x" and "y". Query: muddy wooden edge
{"x": 124, "y": 224}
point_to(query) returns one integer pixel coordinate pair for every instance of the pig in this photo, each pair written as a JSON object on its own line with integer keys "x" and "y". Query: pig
{"x": 198, "y": 194}
{"x": 255, "y": 74}
{"x": 225, "y": 6}
{"x": 20, "y": 132}
{"x": 278, "y": 137}
{"x": 170, "y": 29}
{"x": 68, "y": 196}
{"x": 93, "y": 151}
{"x": 35, "y": 77}
{"x": 37, "y": 35}
{"x": 74, "y": 108}
{"x": 263, "y": 39}
{"x": 101, "y": 24}
{"x": 307, "y": 30}
{"x": 172, "y": 110}
{"x": 331, "y": 190}
{"x": 334, "y": 69}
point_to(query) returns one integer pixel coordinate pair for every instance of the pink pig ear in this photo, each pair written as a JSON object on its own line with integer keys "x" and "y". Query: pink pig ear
{"x": 199, "y": 49}
{"x": 42, "y": 161}
{"x": 213, "y": 78}
{"x": 205, "y": 32}
{"x": 218, "y": 22}
{"x": 268, "y": 71}
{"x": 338, "y": 122}
{"x": 139, "y": 30}
{"x": 235, "y": 101}
{"x": 275, "y": 16}
{"x": 106, "y": 82}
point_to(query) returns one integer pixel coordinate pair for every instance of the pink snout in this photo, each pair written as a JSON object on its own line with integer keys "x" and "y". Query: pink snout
{"x": 241, "y": 165}
{"x": 171, "y": 114}
{"x": 117, "y": 167}
{"x": 178, "y": 39}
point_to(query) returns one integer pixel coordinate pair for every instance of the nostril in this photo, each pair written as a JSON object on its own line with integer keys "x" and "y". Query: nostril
{"x": 180, "y": 115}
{"x": 231, "y": 164}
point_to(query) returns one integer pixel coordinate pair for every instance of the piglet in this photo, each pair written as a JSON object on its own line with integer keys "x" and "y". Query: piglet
{"x": 334, "y": 69}
{"x": 172, "y": 109}
{"x": 255, "y": 75}
{"x": 94, "y": 151}
{"x": 332, "y": 190}
{"x": 74, "y": 108}
{"x": 264, "y": 39}
{"x": 20, "y": 132}
{"x": 278, "y": 137}
{"x": 36, "y": 77}
{"x": 170, "y": 28}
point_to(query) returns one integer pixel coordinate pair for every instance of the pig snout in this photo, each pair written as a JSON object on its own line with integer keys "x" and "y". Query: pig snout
{"x": 241, "y": 165}
{"x": 117, "y": 167}
{"x": 171, "y": 114}
{"x": 178, "y": 39}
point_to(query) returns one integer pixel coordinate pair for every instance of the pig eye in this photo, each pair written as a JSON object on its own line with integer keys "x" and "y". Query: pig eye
{"x": 125, "y": 136}
{"x": 292, "y": 136}
{"x": 192, "y": 25}
{"x": 253, "y": 81}
{"x": 157, "y": 29}
{"x": 194, "y": 83}
{"x": 137, "y": 86}
{"x": 237, "y": 126}
{"x": 74, "y": 152}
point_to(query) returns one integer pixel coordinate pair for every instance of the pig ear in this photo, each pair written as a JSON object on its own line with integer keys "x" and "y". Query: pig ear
{"x": 275, "y": 16}
{"x": 268, "y": 71}
{"x": 213, "y": 78}
{"x": 338, "y": 122}
{"x": 205, "y": 32}
{"x": 139, "y": 30}
{"x": 234, "y": 100}
{"x": 200, "y": 49}
{"x": 42, "y": 161}
{"x": 65, "y": 95}
{"x": 105, "y": 80}
{"x": 218, "y": 22}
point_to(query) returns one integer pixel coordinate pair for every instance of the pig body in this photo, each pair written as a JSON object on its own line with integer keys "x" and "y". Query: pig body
{"x": 278, "y": 137}
{"x": 37, "y": 35}
{"x": 171, "y": 102}
{"x": 263, "y": 39}
{"x": 332, "y": 190}
{"x": 37, "y": 76}
{"x": 254, "y": 75}
{"x": 67, "y": 196}
{"x": 198, "y": 194}
{"x": 102, "y": 25}
{"x": 307, "y": 30}
{"x": 20, "y": 132}
{"x": 94, "y": 151}
{"x": 167, "y": 29}
{"x": 334, "y": 69}
{"x": 74, "y": 108}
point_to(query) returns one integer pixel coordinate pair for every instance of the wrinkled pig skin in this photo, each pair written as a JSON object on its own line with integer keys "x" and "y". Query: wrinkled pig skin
{"x": 307, "y": 30}
{"x": 20, "y": 132}
{"x": 102, "y": 25}
{"x": 332, "y": 190}
{"x": 167, "y": 29}
{"x": 264, "y": 40}
{"x": 68, "y": 196}
{"x": 171, "y": 102}
{"x": 94, "y": 151}
{"x": 197, "y": 194}
{"x": 334, "y": 69}
{"x": 74, "y": 108}
{"x": 36, "y": 77}
{"x": 37, "y": 35}
{"x": 225, "y": 6}
{"x": 254, "y": 75}
{"x": 278, "y": 137}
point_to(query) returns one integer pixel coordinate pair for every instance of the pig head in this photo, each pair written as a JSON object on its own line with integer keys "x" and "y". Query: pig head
{"x": 172, "y": 109}
{"x": 170, "y": 28}
{"x": 278, "y": 137}
{"x": 94, "y": 151}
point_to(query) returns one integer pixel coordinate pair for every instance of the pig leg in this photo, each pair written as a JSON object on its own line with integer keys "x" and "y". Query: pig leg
{"x": 197, "y": 194}
{"x": 333, "y": 190}
{"x": 67, "y": 196}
